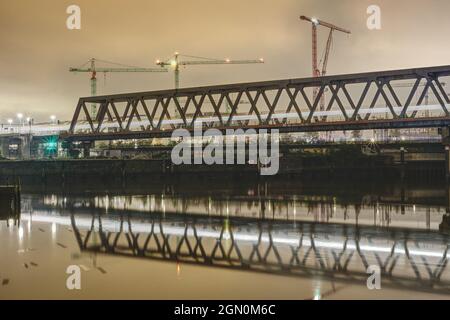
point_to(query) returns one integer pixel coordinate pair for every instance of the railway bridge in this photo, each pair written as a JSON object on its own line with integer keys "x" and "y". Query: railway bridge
{"x": 412, "y": 98}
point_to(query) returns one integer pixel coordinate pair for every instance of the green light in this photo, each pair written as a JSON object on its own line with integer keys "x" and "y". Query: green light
{"x": 51, "y": 144}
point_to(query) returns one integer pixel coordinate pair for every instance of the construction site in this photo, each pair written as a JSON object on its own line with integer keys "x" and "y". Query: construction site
{"x": 311, "y": 182}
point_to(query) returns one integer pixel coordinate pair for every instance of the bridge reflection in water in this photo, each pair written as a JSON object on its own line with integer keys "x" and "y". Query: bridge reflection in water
{"x": 298, "y": 234}
{"x": 408, "y": 259}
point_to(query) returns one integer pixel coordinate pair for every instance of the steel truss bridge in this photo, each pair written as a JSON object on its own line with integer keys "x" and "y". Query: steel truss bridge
{"x": 406, "y": 258}
{"x": 375, "y": 100}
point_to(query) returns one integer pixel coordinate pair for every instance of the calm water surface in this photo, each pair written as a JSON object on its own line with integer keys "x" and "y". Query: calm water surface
{"x": 271, "y": 240}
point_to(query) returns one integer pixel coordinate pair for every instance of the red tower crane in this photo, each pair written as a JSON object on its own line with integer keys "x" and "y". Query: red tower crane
{"x": 315, "y": 64}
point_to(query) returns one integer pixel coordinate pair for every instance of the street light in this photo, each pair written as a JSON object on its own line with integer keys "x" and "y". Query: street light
{"x": 53, "y": 118}
{"x": 29, "y": 122}
{"x": 20, "y": 117}
{"x": 10, "y": 121}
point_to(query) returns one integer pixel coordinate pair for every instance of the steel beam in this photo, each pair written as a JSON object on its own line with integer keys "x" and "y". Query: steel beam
{"x": 312, "y": 127}
{"x": 158, "y": 109}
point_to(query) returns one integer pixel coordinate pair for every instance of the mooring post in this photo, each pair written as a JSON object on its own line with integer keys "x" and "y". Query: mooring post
{"x": 445, "y": 136}
{"x": 447, "y": 194}
{"x": 402, "y": 162}
{"x": 447, "y": 163}
{"x": 444, "y": 226}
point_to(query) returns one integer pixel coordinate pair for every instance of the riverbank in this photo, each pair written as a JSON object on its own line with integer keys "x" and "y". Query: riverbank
{"x": 116, "y": 171}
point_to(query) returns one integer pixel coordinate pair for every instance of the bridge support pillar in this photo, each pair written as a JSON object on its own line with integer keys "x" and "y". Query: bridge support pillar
{"x": 4, "y": 147}
{"x": 26, "y": 147}
{"x": 86, "y": 149}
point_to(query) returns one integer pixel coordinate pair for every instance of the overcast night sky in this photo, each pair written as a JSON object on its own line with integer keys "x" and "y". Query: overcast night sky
{"x": 37, "y": 49}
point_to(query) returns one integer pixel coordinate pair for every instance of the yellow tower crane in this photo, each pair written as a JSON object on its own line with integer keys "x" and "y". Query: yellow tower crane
{"x": 93, "y": 69}
{"x": 176, "y": 63}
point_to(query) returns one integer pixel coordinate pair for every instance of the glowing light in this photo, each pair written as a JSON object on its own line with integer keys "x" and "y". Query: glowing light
{"x": 315, "y": 21}
{"x": 173, "y": 63}
{"x": 317, "y": 290}
{"x": 261, "y": 59}
{"x": 20, "y": 116}
{"x": 53, "y": 228}
{"x": 227, "y": 60}
{"x": 20, "y": 233}
{"x": 51, "y": 144}
{"x": 10, "y": 121}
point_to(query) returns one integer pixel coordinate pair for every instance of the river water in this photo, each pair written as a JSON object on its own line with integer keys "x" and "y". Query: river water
{"x": 279, "y": 239}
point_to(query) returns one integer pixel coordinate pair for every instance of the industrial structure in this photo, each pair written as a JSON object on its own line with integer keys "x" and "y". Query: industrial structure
{"x": 316, "y": 71}
{"x": 93, "y": 69}
{"x": 372, "y": 103}
{"x": 176, "y": 63}
{"x": 367, "y": 101}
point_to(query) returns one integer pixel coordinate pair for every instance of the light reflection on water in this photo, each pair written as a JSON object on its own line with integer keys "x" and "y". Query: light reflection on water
{"x": 409, "y": 258}
{"x": 374, "y": 212}
{"x": 321, "y": 238}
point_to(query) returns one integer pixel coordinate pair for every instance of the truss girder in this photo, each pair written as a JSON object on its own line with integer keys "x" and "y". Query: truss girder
{"x": 273, "y": 103}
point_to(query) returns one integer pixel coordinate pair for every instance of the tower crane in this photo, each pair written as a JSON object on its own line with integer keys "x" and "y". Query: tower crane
{"x": 315, "y": 64}
{"x": 93, "y": 69}
{"x": 175, "y": 63}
